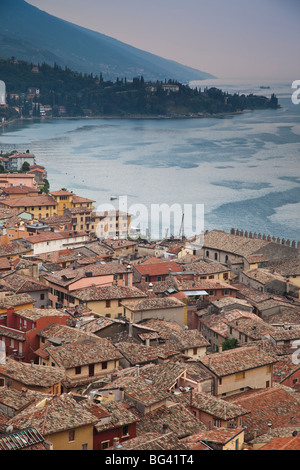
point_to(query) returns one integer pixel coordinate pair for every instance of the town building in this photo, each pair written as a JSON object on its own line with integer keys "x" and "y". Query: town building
{"x": 160, "y": 308}
{"x": 19, "y": 329}
{"x": 61, "y": 420}
{"x": 63, "y": 282}
{"x": 106, "y": 300}
{"x": 41, "y": 206}
{"x": 240, "y": 369}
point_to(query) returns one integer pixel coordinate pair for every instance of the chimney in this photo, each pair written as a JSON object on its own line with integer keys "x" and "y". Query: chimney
{"x": 220, "y": 348}
{"x": 165, "y": 428}
{"x": 116, "y": 442}
{"x": 269, "y": 428}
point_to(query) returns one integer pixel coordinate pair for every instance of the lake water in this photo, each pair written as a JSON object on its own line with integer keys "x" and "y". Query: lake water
{"x": 243, "y": 168}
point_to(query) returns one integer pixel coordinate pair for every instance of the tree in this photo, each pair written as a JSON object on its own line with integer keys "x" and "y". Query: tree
{"x": 45, "y": 189}
{"x": 229, "y": 343}
{"x": 25, "y": 167}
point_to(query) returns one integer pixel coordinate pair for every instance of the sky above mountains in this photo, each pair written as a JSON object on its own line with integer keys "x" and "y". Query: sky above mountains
{"x": 227, "y": 38}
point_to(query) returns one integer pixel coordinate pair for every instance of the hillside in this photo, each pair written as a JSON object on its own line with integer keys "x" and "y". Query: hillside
{"x": 53, "y": 91}
{"x": 30, "y": 34}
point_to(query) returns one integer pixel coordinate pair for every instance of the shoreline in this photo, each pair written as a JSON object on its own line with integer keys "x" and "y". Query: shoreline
{"x": 138, "y": 116}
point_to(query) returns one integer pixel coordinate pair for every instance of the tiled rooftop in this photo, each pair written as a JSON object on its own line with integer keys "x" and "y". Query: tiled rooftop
{"x": 240, "y": 246}
{"x": 278, "y": 406}
{"x": 263, "y": 276}
{"x": 83, "y": 353}
{"x": 23, "y": 284}
{"x": 218, "y": 435}
{"x": 54, "y": 415}
{"x": 236, "y": 360}
{"x": 64, "y": 334}
{"x": 216, "y": 407}
{"x": 140, "y": 354}
{"x": 14, "y": 300}
{"x": 18, "y": 399}
{"x": 163, "y": 376}
{"x": 140, "y": 390}
{"x": 31, "y": 374}
{"x": 188, "y": 339}
{"x": 115, "y": 413}
{"x": 283, "y": 443}
{"x": 153, "y": 303}
{"x": 107, "y": 293}
{"x": 157, "y": 269}
{"x": 68, "y": 276}
{"x": 163, "y": 327}
{"x": 35, "y": 314}
{"x": 174, "y": 418}
{"x": 153, "y": 441}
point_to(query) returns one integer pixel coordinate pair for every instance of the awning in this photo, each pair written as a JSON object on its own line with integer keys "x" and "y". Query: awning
{"x": 192, "y": 293}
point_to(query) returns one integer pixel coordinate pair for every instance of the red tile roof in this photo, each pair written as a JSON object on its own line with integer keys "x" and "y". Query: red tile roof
{"x": 158, "y": 269}
{"x": 283, "y": 443}
{"x": 48, "y": 236}
{"x": 30, "y": 201}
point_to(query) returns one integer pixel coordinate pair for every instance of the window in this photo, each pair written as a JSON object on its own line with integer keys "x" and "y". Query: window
{"x": 104, "y": 445}
{"x": 125, "y": 430}
{"x": 91, "y": 370}
{"x": 239, "y": 375}
{"x": 78, "y": 370}
{"x": 104, "y": 365}
{"x": 195, "y": 351}
{"x": 42, "y": 296}
{"x": 107, "y": 303}
{"x": 84, "y": 447}
{"x": 2, "y": 382}
{"x": 72, "y": 435}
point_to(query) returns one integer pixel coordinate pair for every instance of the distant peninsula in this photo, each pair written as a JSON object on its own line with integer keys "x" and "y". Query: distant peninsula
{"x": 36, "y": 91}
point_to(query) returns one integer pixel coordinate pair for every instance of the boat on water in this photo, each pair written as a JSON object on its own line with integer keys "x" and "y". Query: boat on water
{"x": 112, "y": 198}
{"x": 264, "y": 88}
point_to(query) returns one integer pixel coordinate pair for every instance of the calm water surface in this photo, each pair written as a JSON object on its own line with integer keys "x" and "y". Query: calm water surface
{"x": 243, "y": 168}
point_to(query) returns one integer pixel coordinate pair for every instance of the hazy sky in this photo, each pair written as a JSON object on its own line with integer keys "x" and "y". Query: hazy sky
{"x": 227, "y": 38}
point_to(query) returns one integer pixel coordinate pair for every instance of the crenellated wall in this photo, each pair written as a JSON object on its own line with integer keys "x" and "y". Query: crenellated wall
{"x": 281, "y": 241}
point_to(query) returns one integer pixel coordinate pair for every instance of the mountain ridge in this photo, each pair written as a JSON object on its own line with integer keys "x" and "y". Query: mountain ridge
{"x": 31, "y": 34}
